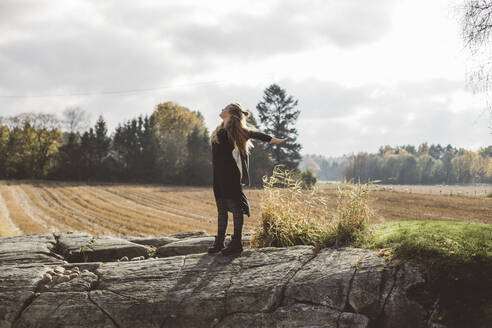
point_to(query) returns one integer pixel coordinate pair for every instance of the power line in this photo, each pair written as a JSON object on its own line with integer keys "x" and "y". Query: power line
{"x": 95, "y": 93}
{"x": 113, "y": 92}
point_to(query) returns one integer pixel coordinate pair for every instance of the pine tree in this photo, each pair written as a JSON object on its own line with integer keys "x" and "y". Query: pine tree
{"x": 69, "y": 159}
{"x": 136, "y": 146}
{"x": 94, "y": 146}
{"x": 278, "y": 114}
{"x": 102, "y": 141}
{"x": 87, "y": 153}
{"x": 198, "y": 164}
{"x": 150, "y": 149}
{"x": 126, "y": 145}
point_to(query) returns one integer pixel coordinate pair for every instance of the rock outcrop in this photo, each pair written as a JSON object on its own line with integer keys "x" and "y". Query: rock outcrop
{"x": 78, "y": 280}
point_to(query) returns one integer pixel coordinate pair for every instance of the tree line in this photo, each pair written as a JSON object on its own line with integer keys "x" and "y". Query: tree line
{"x": 434, "y": 164}
{"x": 325, "y": 168}
{"x": 171, "y": 145}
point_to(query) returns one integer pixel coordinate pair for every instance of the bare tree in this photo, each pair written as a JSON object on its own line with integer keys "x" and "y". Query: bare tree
{"x": 36, "y": 121}
{"x": 75, "y": 119}
{"x": 477, "y": 22}
{"x": 476, "y": 27}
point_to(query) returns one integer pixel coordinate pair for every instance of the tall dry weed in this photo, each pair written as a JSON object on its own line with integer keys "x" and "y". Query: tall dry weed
{"x": 291, "y": 215}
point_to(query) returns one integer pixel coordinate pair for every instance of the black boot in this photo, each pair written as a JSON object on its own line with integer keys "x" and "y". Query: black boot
{"x": 234, "y": 247}
{"x": 218, "y": 244}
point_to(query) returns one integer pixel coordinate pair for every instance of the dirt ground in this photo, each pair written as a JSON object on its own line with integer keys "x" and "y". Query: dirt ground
{"x": 144, "y": 210}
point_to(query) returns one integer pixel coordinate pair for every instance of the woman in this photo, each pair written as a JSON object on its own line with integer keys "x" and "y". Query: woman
{"x": 230, "y": 150}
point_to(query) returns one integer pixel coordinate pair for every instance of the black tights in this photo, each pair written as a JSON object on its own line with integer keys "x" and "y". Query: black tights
{"x": 224, "y": 205}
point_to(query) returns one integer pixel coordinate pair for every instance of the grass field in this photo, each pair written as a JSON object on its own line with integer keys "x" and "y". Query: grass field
{"x": 140, "y": 210}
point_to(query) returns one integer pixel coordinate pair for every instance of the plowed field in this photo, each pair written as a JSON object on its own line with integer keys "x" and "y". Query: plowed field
{"x": 28, "y": 207}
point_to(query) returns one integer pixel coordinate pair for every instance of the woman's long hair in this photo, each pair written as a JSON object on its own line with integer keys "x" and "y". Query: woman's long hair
{"x": 237, "y": 128}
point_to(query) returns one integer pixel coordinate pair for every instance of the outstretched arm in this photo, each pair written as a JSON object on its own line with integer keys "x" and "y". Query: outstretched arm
{"x": 280, "y": 141}
{"x": 260, "y": 136}
{"x": 267, "y": 138}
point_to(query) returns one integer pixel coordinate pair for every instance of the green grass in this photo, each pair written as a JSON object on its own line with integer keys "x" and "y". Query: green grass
{"x": 450, "y": 242}
{"x": 455, "y": 257}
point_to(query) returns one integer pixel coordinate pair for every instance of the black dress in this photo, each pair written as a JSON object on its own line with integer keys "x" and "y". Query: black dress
{"x": 227, "y": 178}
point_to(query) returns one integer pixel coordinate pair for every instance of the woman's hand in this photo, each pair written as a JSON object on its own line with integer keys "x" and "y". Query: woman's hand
{"x": 280, "y": 141}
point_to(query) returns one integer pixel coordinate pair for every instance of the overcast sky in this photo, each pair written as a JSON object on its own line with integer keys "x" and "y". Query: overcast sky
{"x": 366, "y": 73}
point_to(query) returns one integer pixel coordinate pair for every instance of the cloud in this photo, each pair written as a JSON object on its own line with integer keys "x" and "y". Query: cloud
{"x": 89, "y": 60}
{"x": 286, "y": 27}
{"x": 374, "y": 115}
{"x": 218, "y": 28}
{"x": 64, "y": 47}
{"x": 52, "y": 47}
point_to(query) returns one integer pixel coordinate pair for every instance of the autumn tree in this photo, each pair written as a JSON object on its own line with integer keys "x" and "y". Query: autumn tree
{"x": 4, "y": 141}
{"x": 425, "y": 164}
{"x": 403, "y": 167}
{"x": 33, "y": 141}
{"x": 173, "y": 124}
{"x": 408, "y": 170}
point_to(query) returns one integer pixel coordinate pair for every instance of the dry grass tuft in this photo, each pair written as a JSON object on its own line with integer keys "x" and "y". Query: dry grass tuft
{"x": 293, "y": 216}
